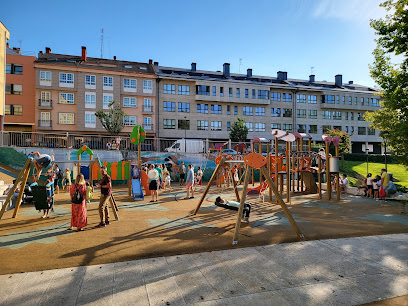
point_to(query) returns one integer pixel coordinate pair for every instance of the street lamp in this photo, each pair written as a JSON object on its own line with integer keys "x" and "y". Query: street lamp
{"x": 367, "y": 150}
{"x": 384, "y": 135}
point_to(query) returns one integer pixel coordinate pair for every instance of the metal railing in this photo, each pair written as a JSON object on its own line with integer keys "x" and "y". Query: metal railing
{"x": 45, "y": 123}
{"x": 147, "y": 109}
{"x": 148, "y": 127}
{"x": 45, "y": 103}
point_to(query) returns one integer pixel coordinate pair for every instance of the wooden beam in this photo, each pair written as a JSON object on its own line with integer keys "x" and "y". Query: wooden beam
{"x": 234, "y": 183}
{"x": 20, "y": 195}
{"x": 241, "y": 205}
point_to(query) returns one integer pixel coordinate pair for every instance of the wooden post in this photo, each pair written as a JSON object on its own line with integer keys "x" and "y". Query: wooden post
{"x": 260, "y": 152}
{"x": 337, "y": 177}
{"x": 293, "y": 172}
{"x": 79, "y": 164}
{"x": 241, "y": 206}
{"x": 328, "y": 176}
{"x": 298, "y": 163}
{"x": 320, "y": 176}
{"x": 130, "y": 178}
{"x": 276, "y": 162}
{"x": 112, "y": 205}
{"x": 283, "y": 205}
{"x": 213, "y": 176}
{"x": 269, "y": 168}
{"x": 288, "y": 145}
{"x": 234, "y": 183}
{"x": 20, "y": 195}
{"x": 310, "y": 145}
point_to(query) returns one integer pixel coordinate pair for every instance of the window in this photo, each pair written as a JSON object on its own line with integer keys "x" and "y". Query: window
{"x": 343, "y": 99}
{"x": 66, "y": 98}
{"x": 263, "y": 94}
{"x": 147, "y": 123}
{"x": 66, "y": 79}
{"x": 14, "y": 89}
{"x": 287, "y": 97}
{"x": 253, "y": 93}
{"x": 250, "y": 127}
{"x": 301, "y": 128}
{"x": 362, "y": 101}
{"x": 147, "y": 86}
{"x": 287, "y": 113}
{"x": 326, "y": 128}
{"x": 346, "y": 115}
{"x": 9, "y": 69}
{"x": 183, "y": 107}
{"x": 214, "y": 90}
{"x": 301, "y": 98}
{"x": 90, "y": 120}
{"x": 275, "y": 126}
{"x": 14, "y": 110}
{"x": 45, "y": 78}
{"x": 337, "y": 100}
{"x": 184, "y": 90}
{"x": 45, "y": 98}
{"x": 259, "y": 127}
{"x": 275, "y": 96}
{"x": 45, "y": 119}
{"x": 326, "y": 114}
{"x": 169, "y": 106}
{"x": 202, "y": 108}
{"x": 129, "y": 120}
{"x": 361, "y": 130}
{"x": 107, "y": 83}
{"x": 66, "y": 118}
{"x": 235, "y": 110}
{"x": 301, "y": 113}
{"x": 246, "y": 93}
{"x": 336, "y": 127}
{"x": 221, "y": 91}
{"x": 107, "y": 99}
{"x": 352, "y": 129}
{"x": 90, "y": 100}
{"x": 329, "y": 99}
{"x": 312, "y": 114}
{"x": 312, "y": 129}
{"x": 275, "y": 112}
{"x": 14, "y": 69}
{"x": 375, "y": 102}
{"x": 371, "y": 131}
{"x": 230, "y": 92}
{"x": 129, "y": 102}
{"x": 216, "y": 109}
{"x": 347, "y": 129}
{"x": 169, "y": 124}
{"x": 90, "y": 81}
{"x": 215, "y": 125}
{"x": 228, "y": 126}
{"x": 202, "y": 125}
{"x": 287, "y": 128}
{"x": 183, "y": 124}
{"x": 312, "y": 99}
{"x": 147, "y": 105}
{"x": 237, "y": 92}
{"x": 247, "y": 110}
{"x": 351, "y": 116}
{"x": 259, "y": 111}
{"x": 129, "y": 85}
{"x": 336, "y": 115}
{"x": 200, "y": 90}
{"x": 355, "y": 100}
{"x": 228, "y": 110}
{"x": 171, "y": 89}
{"x": 350, "y": 101}
{"x": 360, "y": 117}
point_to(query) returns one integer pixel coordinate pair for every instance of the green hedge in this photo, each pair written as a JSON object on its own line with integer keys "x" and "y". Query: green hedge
{"x": 375, "y": 158}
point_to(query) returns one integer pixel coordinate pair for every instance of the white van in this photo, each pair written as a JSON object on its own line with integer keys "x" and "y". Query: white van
{"x": 187, "y": 146}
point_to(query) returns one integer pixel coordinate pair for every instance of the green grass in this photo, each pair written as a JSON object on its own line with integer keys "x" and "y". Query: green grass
{"x": 356, "y": 171}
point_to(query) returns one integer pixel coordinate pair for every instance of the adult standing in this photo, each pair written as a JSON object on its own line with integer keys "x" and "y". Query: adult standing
{"x": 190, "y": 182}
{"x": 79, "y": 211}
{"x": 182, "y": 172}
{"x": 153, "y": 176}
{"x": 385, "y": 181}
{"x": 106, "y": 191}
{"x": 58, "y": 175}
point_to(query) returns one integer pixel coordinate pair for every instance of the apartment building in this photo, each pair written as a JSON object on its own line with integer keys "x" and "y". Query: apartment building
{"x": 203, "y": 104}
{"x": 70, "y": 89}
{"x": 4, "y": 36}
{"x": 20, "y": 91}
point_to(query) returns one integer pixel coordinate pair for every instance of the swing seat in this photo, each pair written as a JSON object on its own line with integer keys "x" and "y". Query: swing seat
{"x": 40, "y": 197}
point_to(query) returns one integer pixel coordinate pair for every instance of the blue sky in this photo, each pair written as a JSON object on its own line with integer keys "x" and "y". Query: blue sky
{"x": 333, "y": 36}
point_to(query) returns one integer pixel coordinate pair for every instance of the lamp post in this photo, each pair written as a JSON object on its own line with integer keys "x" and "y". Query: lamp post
{"x": 367, "y": 150}
{"x": 384, "y": 135}
{"x": 185, "y": 134}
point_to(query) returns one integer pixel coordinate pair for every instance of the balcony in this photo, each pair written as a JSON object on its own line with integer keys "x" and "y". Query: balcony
{"x": 147, "y": 109}
{"x": 44, "y": 104}
{"x": 148, "y": 127}
{"x": 44, "y": 124}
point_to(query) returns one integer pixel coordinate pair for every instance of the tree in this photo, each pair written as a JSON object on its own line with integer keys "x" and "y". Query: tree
{"x": 392, "y": 78}
{"x": 239, "y": 131}
{"x": 112, "y": 120}
{"x": 344, "y": 144}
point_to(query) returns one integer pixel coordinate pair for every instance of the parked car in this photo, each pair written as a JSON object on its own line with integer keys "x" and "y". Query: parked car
{"x": 229, "y": 152}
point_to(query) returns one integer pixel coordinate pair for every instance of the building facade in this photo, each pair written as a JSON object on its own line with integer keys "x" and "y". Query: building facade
{"x": 70, "y": 89}
{"x": 20, "y": 92}
{"x": 204, "y": 104}
{"x": 4, "y": 36}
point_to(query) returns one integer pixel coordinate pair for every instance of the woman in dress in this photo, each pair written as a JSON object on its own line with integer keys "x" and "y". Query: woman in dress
{"x": 79, "y": 211}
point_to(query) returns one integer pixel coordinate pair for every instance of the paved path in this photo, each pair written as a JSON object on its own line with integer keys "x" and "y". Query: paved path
{"x": 326, "y": 272}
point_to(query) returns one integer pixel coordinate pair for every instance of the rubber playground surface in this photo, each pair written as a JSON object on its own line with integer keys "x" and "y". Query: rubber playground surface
{"x": 166, "y": 227}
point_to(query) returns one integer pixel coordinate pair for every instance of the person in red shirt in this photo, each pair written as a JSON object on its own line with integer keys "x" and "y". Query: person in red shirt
{"x": 106, "y": 190}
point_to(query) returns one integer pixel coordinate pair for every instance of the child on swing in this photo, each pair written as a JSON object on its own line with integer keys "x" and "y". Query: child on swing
{"x": 233, "y": 205}
{"x": 50, "y": 198}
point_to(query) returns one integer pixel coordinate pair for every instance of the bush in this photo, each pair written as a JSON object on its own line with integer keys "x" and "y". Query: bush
{"x": 375, "y": 158}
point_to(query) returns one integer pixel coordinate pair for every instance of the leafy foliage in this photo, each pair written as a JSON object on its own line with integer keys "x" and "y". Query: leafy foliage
{"x": 112, "y": 120}
{"x": 392, "y": 78}
{"x": 344, "y": 144}
{"x": 239, "y": 131}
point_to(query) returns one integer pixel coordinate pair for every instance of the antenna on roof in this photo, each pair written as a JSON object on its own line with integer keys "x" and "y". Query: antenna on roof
{"x": 239, "y": 66}
{"x": 102, "y": 43}
{"x": 19, "y": 41}
{"x": 311, "y": 69}
{"x": 109, "y": 47}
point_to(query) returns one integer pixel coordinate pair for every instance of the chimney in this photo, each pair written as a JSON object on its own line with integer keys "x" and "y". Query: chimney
{"x": 47, "y": 50}
{"x": 193, "y": 67}
{"x": 226, "y": 70}
{"x": 40, "y": 54}
{"x": 249, "y": 73}
{"x": 156, "y": 63}
{"x": 8, "y": 45}
{"x": 311, "y": 78}
{"x": 150, "y": 61}
{"x": 338, "y": 80}
{"x": 114, "y": 57}
{"x": 17, "y": 50}
{"x": 282, "y": 75}
{"x": 351, "y": 82}
{"x": 83, "y": 54}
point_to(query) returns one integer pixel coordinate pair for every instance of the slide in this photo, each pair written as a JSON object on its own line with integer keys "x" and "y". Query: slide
{"x": 10, "y": 171}
{"x": 310, "y": 182}
{"x": 145, "y": 183}
{"x": 137, "y": 191}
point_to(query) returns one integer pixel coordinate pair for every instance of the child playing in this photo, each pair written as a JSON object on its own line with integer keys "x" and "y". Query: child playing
{"x": 167, "y": 181}
{"x": 89, "y": 194}
{"x": 67, "y": 180}
{"x": 376, "y": 186}
{"x": 50, "y": 198}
